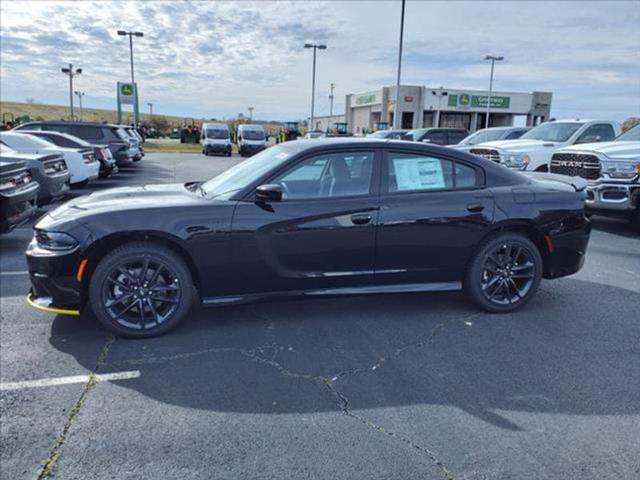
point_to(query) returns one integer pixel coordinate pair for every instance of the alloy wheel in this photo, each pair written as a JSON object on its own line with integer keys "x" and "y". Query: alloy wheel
{"x": 508, "y": 273}
{"x": 141, "y": 294}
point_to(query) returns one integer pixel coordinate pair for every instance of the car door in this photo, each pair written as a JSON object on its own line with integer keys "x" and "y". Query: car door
{"x": 434, "y": 209}
{"x": 321, "y": 235}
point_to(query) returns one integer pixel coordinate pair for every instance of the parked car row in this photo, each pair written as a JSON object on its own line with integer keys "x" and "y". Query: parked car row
{"x": 55, "y": 156}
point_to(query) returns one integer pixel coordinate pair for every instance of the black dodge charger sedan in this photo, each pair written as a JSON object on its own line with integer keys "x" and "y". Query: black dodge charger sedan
{"x": 310, "y": 217}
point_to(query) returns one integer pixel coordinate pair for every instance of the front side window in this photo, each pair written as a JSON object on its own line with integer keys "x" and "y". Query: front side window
{"x": 437, "y": 137}
{"x": 327, "y": 176}
{"x": 600, "y": 132}
{"x": 410, "y": 172}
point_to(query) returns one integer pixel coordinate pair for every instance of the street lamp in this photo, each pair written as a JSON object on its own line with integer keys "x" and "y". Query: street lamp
{"x": 71, "y": 73}
{"x": 313, "y": 78}
{"x": 332, "y": 85}
{"x": 493, "y": 59}
{"x": 150, "y": 105}
{"x": 439, "y": 93}
{"x": 80, "y": 95}
{"x": 131, "y": 35}
{"x": 250, "y": 113}
{"x": 395, "y": 108}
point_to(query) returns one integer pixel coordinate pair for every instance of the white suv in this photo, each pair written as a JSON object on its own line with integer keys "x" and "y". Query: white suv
{"x": 533, "y": 150}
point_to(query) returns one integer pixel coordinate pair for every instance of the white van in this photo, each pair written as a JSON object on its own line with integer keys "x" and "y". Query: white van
{"x": 251, "y": 139}
{"x": 215, "y": 138}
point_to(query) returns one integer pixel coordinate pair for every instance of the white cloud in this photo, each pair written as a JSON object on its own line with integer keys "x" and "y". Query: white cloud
{"x": 218, "y": 58}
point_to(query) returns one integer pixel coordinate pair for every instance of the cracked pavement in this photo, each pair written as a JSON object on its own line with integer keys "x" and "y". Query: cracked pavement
{"x": 378, "y": 387}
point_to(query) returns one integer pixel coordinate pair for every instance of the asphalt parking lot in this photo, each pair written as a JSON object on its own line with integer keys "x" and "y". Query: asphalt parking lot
{"x": 377, "y": 387}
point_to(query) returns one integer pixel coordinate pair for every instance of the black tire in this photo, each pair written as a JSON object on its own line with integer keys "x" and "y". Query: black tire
{"x": 635, "y": 220}
{"x": 505, "y": 273}
{"x": 137, "y": 305}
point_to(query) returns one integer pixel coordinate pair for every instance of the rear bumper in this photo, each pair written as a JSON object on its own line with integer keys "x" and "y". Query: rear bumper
{"x": 53, "y": 188}
{"x": 567, "y": 249}
{"x": 18, "y": 207}
{"x": 613, "y": 196}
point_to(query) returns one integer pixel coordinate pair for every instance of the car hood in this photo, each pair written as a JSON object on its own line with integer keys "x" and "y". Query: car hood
{"x": 124, "y": 199}
{"x": 522, "y": 145}
{"x": 623, "y": 150}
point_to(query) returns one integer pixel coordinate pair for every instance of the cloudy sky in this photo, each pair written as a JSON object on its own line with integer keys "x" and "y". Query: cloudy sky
{"x": 215, "y": 59}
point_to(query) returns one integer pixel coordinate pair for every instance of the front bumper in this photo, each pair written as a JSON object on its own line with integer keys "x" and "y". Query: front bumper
{"x": 54, "y": 279}
{"x": 217, "y": 148}
{"x": 18, "y": 207}
{"x": 250, "y": 149}
{"x": 619, "y": 197}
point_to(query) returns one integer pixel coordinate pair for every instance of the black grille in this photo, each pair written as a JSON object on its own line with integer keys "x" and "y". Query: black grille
{"x": 487, "y": 153}
{"x": 576, "y": 165}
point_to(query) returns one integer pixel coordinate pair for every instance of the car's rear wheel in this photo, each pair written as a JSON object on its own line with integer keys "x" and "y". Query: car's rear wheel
{"x": 141, "y": 290}
{"x": 505, "y": 273}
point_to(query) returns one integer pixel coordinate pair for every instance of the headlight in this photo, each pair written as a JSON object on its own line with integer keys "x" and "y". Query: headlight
{"x": 514, "y": 160}
{"x": 621, "y": 168}
{"x": 56, "y": 241}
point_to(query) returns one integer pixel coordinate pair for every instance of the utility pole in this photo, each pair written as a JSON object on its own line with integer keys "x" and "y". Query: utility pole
{"x": 331, "y": 100}
{"x": 396, "y": 121}
{"x": 493, "y": 59}
{"x": 313, "y": 81}
{"x": 150, "y": 108}
{"x": 250, "y": 113}
{"x": 71, "y": 73}
{"x": 80, "y": 95}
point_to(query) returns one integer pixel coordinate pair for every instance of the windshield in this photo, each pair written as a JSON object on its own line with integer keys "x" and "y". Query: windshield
{"x": 217, "y": 133}
{"x": 253, "y": 135}
{"x": 413, "y": 134}
{"x": 552, "y": 132}
{"x": 632, "y": 135}
{"x": 483, "y": 136}
{"x": 236, "y": 178}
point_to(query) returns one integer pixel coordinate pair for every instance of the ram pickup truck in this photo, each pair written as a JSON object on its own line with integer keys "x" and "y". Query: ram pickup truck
{"x": 612, "y": 170}
{"x": 533, "y": 150}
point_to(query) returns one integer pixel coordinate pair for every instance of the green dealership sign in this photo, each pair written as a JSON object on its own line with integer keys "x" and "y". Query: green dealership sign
{"x": 478, "y": 101}
{"x": 366, "y": 99}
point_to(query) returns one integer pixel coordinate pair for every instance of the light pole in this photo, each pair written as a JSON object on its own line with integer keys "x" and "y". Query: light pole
{"x": 250, "y": 113}
{"x": 150, "y": 105}
{"x": 439, "y": 93}
{"x": 72, "y": 73}
{"x": 313, "y": 79}
{"x": 131, "y": 35}
{"x": 396, "y": 123}
{"x": 80, "y": 95}
{"x": 493, "y": 59}
{"x": 332, "y": 86}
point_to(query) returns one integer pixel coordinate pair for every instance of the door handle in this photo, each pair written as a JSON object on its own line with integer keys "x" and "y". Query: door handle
{"x": 475, "y": 207}
{"x": 360, "y": 219}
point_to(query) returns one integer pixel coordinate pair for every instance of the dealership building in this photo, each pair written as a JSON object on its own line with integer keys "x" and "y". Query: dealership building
{"x": 421, "y": 106}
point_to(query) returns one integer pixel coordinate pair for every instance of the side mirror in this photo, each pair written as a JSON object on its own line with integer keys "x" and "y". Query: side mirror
{"x": 269, "y": 193}
{"x": 239, "y": 138}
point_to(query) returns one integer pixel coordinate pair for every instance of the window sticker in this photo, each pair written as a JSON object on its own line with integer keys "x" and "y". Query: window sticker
{"x": 418, "y": 173}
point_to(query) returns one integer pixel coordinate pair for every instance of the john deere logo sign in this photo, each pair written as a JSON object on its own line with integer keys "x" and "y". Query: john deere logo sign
{"x": 478, "y": 101}
{"x": 126, "y": 93}
{"x": 366, "y": 99}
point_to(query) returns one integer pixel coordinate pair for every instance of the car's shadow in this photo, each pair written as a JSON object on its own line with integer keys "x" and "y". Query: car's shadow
{"x": 617, "y": 226}
{"x": 567, "y": 352}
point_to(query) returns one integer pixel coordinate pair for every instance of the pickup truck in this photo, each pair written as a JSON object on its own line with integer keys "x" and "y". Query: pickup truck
{"x": 533, "y": 150}
{"x": 612, "y": 170}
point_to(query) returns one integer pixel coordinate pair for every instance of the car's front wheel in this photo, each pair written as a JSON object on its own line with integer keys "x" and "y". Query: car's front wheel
{"x": 141, "y": 290}
{"x": 505, "y": 273}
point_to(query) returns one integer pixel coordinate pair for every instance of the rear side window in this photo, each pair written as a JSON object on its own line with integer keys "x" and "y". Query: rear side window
{"x": 60, "y": 141}
{"x": 87, "y": 132}
{"x": 437, "y": 137}
{"x": 456, "y": 136}
{"x": 410, "y": 172}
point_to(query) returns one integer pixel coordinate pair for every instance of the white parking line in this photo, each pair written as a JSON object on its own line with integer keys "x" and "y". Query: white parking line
{"x": 21, "y": 272}
{"x": 51, "y": 382}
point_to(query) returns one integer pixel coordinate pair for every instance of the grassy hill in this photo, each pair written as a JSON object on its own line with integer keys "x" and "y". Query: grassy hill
{"x": 39, "y": 111}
